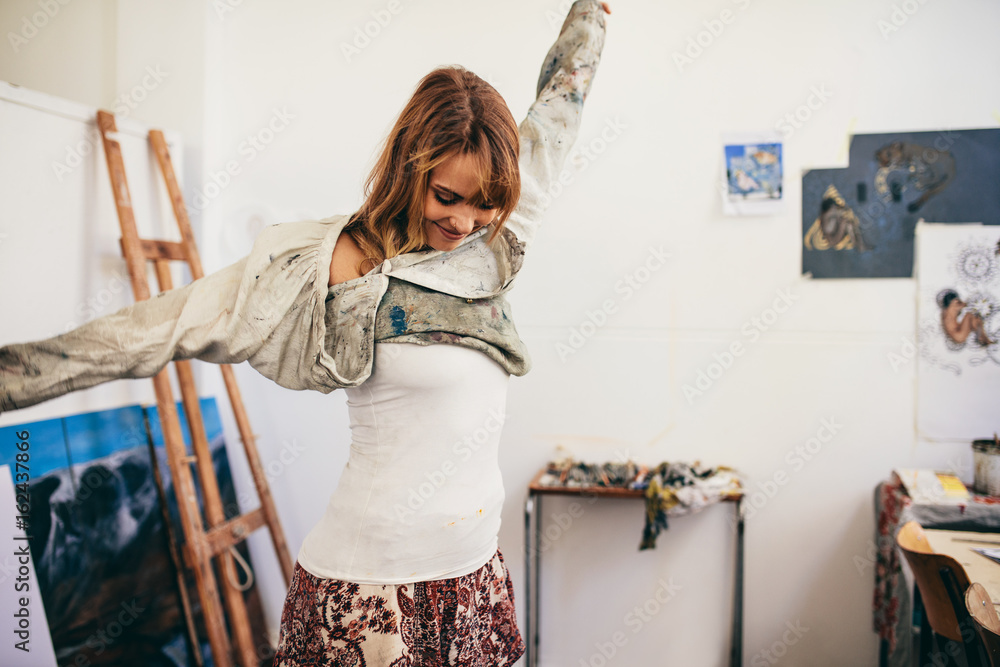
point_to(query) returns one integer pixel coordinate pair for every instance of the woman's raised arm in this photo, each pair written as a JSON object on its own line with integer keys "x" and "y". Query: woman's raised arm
{"x": 553, "y": 121}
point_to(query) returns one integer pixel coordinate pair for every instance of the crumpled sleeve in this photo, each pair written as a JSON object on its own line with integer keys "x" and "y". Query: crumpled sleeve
{"x": 236, "y": 314}
{"x": 136, "y": 342}
{"x": 553, "y": 121}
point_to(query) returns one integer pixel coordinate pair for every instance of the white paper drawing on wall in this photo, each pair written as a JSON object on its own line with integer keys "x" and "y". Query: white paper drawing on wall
{"x": 958, "y": 331}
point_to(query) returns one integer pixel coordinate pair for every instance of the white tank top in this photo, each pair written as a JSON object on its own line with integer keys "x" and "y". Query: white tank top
{"x": 421, "y": 494}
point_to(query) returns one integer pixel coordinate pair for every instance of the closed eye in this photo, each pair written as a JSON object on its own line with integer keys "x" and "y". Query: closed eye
{"x": 456, "y": 198}
{"x": 447, "y": 202}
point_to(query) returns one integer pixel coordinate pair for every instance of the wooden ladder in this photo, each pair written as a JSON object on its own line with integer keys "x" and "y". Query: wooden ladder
{"x": 201, "y": 545}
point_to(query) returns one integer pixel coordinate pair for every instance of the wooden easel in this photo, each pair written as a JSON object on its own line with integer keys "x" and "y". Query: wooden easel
{"x": 201, "y": 545}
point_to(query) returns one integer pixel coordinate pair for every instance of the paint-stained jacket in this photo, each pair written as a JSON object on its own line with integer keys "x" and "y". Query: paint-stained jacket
{"x": 272, "y": 309}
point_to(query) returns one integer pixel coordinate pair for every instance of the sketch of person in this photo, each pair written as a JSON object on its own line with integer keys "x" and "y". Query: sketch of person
{"x": 958, "y": 320}
{"x": 836, "y": 227}
{"x": 928, "y": 169}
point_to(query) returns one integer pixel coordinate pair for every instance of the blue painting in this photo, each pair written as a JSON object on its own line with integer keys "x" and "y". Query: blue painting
{"x": 99, "y": 541}
{"x": 753, "y": 171}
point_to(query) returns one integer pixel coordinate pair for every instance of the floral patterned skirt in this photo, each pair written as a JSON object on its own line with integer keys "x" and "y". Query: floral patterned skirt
{"x": 467, "y": 621}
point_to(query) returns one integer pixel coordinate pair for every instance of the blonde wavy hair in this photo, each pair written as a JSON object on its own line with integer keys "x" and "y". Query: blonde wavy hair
{"x": 451, "y": 112}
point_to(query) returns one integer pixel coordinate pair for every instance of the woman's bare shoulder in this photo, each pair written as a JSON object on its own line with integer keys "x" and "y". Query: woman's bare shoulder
{"x": 347, "y": 256}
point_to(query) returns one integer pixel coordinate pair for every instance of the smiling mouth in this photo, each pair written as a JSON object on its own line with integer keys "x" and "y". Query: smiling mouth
{"x": 449, "y": 234}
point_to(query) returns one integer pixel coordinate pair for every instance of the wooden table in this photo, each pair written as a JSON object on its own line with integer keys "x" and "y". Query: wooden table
{"x": 532, "y": 558}
{"x": 959, "y": 545}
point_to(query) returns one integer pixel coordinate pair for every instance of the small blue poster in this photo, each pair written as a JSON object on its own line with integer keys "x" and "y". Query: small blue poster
{"x": 753, "y": 175}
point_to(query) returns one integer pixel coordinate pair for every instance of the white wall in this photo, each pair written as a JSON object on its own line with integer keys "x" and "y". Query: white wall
{"x": 654, "y": 185}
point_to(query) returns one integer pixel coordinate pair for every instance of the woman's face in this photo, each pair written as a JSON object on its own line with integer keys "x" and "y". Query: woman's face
{"x": 448, "y": 217}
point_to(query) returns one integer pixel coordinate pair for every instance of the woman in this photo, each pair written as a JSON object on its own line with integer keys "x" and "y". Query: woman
{"x": 403, "y": 568}
{"x": 958, "y": 321}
